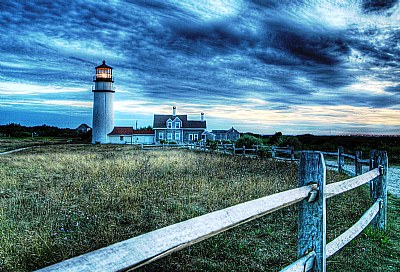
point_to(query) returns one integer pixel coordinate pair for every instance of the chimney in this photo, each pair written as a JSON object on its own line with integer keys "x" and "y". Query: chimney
{"x": 174, "y": 111}
{"x": 202, "y": 117}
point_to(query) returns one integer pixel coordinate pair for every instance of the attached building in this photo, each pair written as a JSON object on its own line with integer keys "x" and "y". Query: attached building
{"x": 226, "y": 135}
{"x": 121, "y": 135}
{"x": 127, "y": 135}
{"x": 143, "y": 136}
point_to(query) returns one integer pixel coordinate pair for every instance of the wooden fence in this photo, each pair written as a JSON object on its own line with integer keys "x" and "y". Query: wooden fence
{"x": 311, "y": 195}
{"x": 254, "y": 150}
{"x": 289, "y": 153}
{"x": 341, "y": 156}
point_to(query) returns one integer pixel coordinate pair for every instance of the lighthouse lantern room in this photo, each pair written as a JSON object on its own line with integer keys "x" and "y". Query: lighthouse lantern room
{"x": 103, "y": 108}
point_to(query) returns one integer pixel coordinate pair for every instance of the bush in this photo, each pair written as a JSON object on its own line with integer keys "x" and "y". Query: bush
{"x": 248, "y": 141}
{"x": 212, "y": 144}
{"x": 263, "y": 152}
{"x": 291, "y": 141}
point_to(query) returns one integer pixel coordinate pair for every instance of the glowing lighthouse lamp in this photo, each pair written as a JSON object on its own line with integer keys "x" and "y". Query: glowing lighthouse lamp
{"x": 103, "y": 108}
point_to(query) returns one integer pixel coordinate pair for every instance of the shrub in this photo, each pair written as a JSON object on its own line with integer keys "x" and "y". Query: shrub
{"x": 212, "y": 144}
{"x": 248, "y": 141}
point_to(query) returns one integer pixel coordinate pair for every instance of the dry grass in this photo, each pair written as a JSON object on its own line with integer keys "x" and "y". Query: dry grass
{"x": 7, "y": 144}
{"x": 58, "y": 202}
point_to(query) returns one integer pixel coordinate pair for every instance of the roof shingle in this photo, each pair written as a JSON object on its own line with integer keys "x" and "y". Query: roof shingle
{"x": 121, "y": 131}
{"x": 160, "y": 121}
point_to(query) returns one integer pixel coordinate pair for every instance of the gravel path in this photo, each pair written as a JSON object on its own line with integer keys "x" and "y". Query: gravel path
{"x": 394, "y": 180}
{"x": 393, "y": 176}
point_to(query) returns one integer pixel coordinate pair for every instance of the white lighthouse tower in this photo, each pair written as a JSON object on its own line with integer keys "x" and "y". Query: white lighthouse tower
{"x": 103, "y": 104}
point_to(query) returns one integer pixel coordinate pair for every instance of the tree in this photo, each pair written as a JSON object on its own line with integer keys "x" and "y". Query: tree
{"x": 276, "y": 139}
{"x": 248, "y": 141}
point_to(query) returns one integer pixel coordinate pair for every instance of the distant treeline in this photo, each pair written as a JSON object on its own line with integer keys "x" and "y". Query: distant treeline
{"x": 17, "y": 130}
{"x": 330, "y": 143}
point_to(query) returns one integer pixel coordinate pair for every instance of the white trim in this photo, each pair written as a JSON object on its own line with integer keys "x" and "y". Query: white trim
{"x": 182, "y": 128}
{"x": 193, "y": 137}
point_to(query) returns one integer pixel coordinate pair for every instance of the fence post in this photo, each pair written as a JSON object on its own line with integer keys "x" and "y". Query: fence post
{"x": 234, "y": 149}
{"x": 273, "y": 153}
{"x": 340, "y": 159}
{"x": 378, "y": 186}
{"x": 244, "y": 150}
{"x": 312, "y": 216}
{"x": 358, "y": 164}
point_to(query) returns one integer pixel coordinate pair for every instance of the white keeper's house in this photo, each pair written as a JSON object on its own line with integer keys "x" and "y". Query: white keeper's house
{"x": 177, "y": 128}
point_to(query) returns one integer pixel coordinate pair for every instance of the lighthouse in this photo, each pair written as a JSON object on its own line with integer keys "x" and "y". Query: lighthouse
{"x": 103, "y": 108}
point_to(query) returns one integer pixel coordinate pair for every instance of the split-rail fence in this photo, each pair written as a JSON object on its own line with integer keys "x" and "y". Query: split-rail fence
{"x": 311, "y": 195}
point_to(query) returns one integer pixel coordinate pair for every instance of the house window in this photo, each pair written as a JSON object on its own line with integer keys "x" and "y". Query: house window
{"x": 121, "y": 138}
{"x": 161, "y": 136}
{"x": 193, "y": 137}
{"x": 177, "y": 136}
{"x": 169, "y": 136}
{"x": 177, "y": 124}
{"x": 169, "y": 124}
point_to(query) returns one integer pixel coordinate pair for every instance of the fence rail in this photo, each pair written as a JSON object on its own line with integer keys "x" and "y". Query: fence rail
{"x": 246, "y": 151}
{"x": 311, "y": 196}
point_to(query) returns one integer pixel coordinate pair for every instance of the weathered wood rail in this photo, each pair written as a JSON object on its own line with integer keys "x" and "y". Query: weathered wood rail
{"x": 247, "y": 151}
{"x": 311, "y": 195}
{"x": 340, "y": 166}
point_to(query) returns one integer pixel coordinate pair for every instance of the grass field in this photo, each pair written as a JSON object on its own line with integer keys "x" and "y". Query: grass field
{"x": 7, "y": 144}
{"x": 61, "y": 201}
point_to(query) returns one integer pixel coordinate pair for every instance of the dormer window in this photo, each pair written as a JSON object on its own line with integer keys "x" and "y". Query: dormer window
{"x": 177, "y": 124}
{"x": 169, "y": 124}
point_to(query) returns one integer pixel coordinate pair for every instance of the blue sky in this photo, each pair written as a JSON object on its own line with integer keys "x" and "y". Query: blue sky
{"x": 321, "y": 67}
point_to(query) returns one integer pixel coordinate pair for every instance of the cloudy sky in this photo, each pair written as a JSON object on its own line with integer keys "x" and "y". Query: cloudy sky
{"x": 321, "y": 67}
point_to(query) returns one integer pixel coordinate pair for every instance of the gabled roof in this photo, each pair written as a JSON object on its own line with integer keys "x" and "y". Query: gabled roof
{"x": 219, "y": 131}
{"x": 196, "y": 124}
{"x": 121, "y": 131}
{"x": 224, "y": 131}
{"x": 143, "y": 131}
{"x": 233, "y": 129}
{"x": 83, "y": 126}
{"x": 160, "y": 121}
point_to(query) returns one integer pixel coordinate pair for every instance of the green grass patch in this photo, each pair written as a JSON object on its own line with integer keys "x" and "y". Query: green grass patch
{"x": 57, "y": 202}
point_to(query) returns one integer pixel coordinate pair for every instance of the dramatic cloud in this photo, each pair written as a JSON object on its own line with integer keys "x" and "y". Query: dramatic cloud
{"x": 264, "y": 66}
